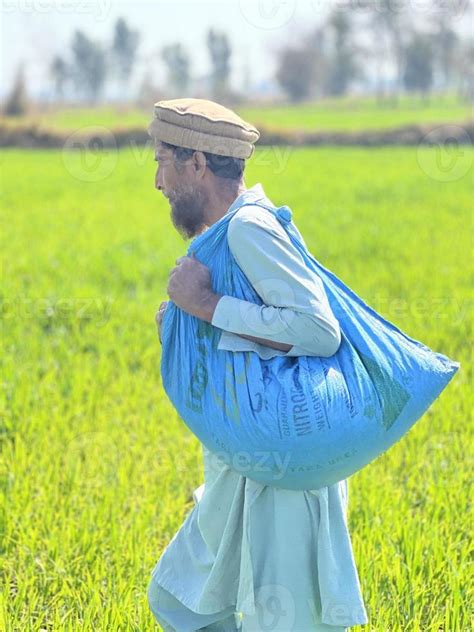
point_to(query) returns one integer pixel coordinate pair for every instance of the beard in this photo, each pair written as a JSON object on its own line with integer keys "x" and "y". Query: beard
{"x": 188, "y": 206}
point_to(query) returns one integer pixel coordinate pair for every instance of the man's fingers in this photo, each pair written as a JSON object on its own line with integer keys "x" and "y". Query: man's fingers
{"x": 175, "y": 270}
{"x": 189, "y": 261}
{"x": 159, "y": 314}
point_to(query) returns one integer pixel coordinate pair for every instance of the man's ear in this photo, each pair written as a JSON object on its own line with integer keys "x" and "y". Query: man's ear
{"x": 199, "y": 163}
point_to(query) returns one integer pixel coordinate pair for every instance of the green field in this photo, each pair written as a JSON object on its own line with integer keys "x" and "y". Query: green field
{"x": 337, "y": 114}
{"x": 359, "y": 114}
{"x": 98, "y": 471}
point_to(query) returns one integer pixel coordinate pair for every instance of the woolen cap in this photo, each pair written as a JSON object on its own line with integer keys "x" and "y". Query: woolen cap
{"x": 204, "y": 126}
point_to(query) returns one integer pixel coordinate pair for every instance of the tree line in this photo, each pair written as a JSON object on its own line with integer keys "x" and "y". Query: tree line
{"x": 328, "y": 60}
{"x": 91, "y": 64}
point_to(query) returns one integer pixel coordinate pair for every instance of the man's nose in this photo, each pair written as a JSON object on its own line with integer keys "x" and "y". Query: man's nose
{"x": 158, "y": 181}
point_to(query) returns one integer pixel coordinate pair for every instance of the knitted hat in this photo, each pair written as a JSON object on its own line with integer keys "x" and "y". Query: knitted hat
{"x": 204, "y": 126}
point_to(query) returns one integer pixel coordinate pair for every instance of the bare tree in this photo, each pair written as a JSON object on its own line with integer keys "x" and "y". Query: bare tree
{"x": 295, "y": 72}
{"x": 318, "y": 47}
{"x": 89, "y": 66}
{"x": 466, "y": 71}
{"x": 343, "y": 67}
{"x": 389, "y": 26}
{"x": 16, "y": 103}
{"x": 61, "y": 74}
{"x": 446, "y": 43}
{"x": 418, "y": 72}
{"x": 220, "y": 52}
{"x": 124, "y": 50}
{"x": 177, "y": 63}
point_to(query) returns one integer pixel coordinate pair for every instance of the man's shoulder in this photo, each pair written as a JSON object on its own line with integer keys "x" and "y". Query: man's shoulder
{"x": 254, "y": 217}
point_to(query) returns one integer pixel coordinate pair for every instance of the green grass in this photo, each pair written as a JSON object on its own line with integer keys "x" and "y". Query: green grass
{"x": 335, "y": 114}
{"x": 359, "y": 114}
{"x": 98, "y": 471}
{"x": 70, "y": 118}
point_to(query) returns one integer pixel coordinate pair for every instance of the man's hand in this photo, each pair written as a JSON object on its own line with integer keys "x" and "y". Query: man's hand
{"x": 159, "y": 316}
{"x": 190, "y": 288}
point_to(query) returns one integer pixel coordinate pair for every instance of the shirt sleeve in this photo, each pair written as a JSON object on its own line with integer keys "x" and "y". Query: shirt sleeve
{"x": 296, "y": 310}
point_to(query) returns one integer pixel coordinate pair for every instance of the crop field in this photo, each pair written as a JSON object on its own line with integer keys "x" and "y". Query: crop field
{"x": 326, "y": 115}
{"x": 98, "y": 470}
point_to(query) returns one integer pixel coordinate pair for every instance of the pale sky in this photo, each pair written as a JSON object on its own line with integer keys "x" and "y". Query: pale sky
{"x": 34, "y": 31}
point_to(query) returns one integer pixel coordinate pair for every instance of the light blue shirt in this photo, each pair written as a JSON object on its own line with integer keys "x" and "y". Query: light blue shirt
{"x": 296, "y": 310}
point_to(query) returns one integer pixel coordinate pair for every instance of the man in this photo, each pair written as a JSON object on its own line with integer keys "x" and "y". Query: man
{"x": 216, "y": 566}
{"x": 201, "y": 186}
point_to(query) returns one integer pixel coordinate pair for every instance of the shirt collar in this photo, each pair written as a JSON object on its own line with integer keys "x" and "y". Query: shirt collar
{"x": 250, "y": 195}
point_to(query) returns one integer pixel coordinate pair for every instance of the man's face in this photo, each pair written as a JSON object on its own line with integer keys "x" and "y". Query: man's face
{"x": 186, "y": 195}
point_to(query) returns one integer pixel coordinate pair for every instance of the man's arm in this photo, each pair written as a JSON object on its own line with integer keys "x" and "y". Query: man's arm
{"x": 191, "y": 290}
{"x": 207, "y": 314}
{"x": 296, "y": 316}
{"x": 281, "y": 346}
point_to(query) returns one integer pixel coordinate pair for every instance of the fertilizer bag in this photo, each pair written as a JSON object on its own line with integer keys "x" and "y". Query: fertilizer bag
{"x": 300, "y": 422}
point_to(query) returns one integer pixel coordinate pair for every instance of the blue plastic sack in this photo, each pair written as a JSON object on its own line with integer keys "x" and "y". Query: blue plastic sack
{"x": 300, "y": 422}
